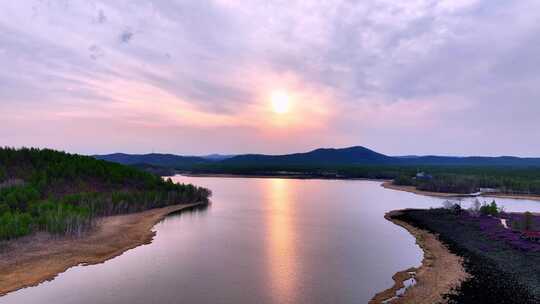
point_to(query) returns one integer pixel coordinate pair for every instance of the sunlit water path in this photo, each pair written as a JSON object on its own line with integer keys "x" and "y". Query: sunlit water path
{"x": 261, "y": 241}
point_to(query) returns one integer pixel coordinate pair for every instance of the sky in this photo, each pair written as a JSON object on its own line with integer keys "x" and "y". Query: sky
{"x": 449, "y": 77}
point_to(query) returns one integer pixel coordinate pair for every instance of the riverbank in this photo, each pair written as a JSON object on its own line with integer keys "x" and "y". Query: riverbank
{"x": 440, "y": 272}
{"x": 285, "y": 176}
{"x": 34, "y": 259}
{"x": 412, "y": 189}
{"x": 502, "y": 268}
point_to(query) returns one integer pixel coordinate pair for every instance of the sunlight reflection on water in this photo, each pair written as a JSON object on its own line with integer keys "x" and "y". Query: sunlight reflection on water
{"x": 261, "y": 241}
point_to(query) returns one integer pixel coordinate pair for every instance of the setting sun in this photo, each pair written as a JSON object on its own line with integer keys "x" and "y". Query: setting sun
{"x": 280, "y": 102}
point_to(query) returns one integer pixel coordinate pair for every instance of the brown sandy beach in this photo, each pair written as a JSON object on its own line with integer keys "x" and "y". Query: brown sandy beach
{"x": 38, "y": 258}
{"x": 412, "y": 189}
{"x": 440, "y": 272}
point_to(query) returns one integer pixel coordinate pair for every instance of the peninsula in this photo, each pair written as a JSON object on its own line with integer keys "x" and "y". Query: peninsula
{"x": 59, "y": 210}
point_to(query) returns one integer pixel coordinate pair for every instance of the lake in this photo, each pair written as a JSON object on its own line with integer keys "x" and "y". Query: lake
{"x": 261, "y": 241}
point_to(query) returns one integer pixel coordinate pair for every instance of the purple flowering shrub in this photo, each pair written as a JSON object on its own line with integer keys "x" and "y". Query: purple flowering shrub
{"x": 504, "y": 267}
{"x": 493, "y": 229}
{"x": 517, "y": 220}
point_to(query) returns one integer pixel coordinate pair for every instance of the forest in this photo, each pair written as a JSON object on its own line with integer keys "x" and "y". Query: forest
{"x": 454, "y": 179}
{"x": 61, "y": 193}
{"x": 507, "y": 180}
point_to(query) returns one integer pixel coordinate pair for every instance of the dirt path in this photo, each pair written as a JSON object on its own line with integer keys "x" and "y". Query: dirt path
{"x": 440, "y": 272}
{"x": 34, "y": 259}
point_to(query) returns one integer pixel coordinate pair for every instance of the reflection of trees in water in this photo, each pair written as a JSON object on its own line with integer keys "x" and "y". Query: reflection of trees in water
{"x": 194, "y": 210}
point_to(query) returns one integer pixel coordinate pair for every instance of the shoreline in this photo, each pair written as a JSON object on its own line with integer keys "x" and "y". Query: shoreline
{"x": 292, "y": 176}
{"x": 502, "y": 266}
{"x": 385, "y": 183}
{"x": 411, "y": 189}
{"x": 440, "y": 272}
{"x": 41, "y": 257}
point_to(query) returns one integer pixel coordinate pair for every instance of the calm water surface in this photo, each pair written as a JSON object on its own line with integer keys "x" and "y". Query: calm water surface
{"x": 261, "y": 241}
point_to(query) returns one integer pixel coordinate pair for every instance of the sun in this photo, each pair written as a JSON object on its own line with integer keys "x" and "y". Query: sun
{"x": 281, "y": 102}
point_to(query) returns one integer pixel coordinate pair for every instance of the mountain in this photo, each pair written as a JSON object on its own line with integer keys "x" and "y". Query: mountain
{"x": 351, "y": 156}
{"x": 346, "y": 156}
{"x": 217, "y": 157}
{"x": 505, "y": 161}
{"x": 156, "y": 159}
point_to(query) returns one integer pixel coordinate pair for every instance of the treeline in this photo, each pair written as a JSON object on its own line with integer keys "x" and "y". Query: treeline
{"x": 46, "y": 190}
{"x": 323, "y": 171}
{"x": 456, "y": 183}
{"x": 454, "y": 179}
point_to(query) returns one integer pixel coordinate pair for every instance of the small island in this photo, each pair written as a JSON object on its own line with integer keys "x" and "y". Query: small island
{"x": 59, "y": 210}
{"x": 499, "y": 251}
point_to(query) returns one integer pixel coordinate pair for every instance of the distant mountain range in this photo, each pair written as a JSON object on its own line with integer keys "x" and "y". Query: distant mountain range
{"x": 351, "y": 156}
{"x": 156, "y": 159}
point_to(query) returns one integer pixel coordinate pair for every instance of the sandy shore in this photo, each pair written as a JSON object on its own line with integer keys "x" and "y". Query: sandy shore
{"x": 38, "y": 258}
{"x": 412, "y": 189}
{"x": 440, "y": 272}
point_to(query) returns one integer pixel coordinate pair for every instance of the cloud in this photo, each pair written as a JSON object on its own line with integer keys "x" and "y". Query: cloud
{"x": 95, "y": 52}
{"x": 101, "y": 18}
{"x": 379, "y": 73}
{"x": 126, "y": 36}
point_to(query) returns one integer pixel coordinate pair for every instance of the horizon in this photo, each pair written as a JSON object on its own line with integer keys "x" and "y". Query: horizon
{"x": 307, "y": 151}
{"x": 218, "y": 153}
{"x": 217, "y": 76}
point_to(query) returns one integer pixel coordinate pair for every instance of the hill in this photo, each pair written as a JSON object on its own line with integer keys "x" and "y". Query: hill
{"x": 508, "y": 161}
{"x": 156, "y": 159}
{"x": 46, "y": 190}
{"x": 324, "y": 157}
